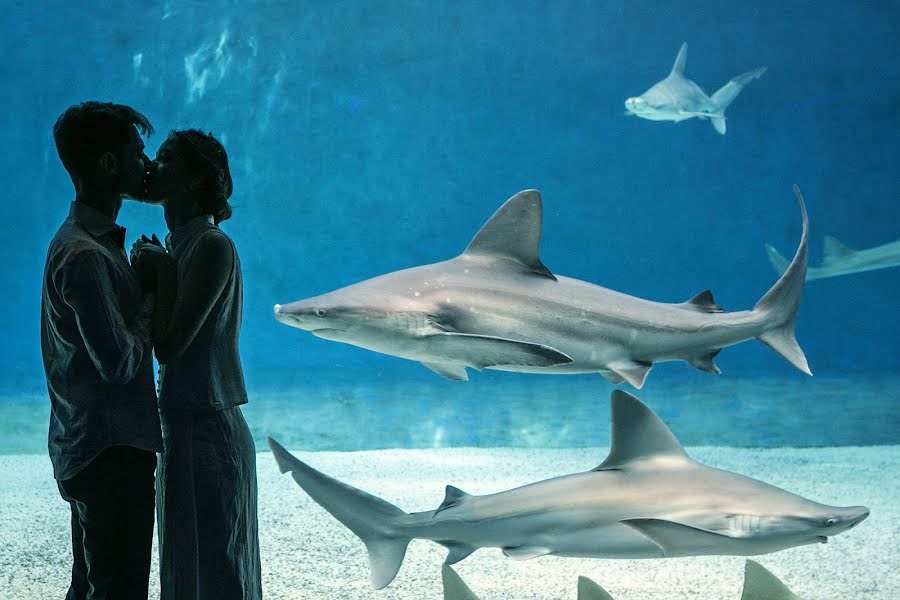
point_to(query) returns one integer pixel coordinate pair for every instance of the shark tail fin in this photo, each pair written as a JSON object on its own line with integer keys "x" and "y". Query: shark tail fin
{"x": 726, "y": 94}
{"x": 369, "y": 517}
{"x": 778, "y": 308}
{"x": 760, "y": 584}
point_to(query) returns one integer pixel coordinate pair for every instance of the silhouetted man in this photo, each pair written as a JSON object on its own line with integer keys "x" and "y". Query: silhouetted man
{"x": 95, "y": 339}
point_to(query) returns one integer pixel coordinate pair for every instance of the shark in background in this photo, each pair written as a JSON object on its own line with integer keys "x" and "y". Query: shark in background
{"x": 759, "y": 584}
{"x": 497, "y": 306}
{"x": 838, "y": 259}
{"x": 648, "y": 499}
{"x": 677, "y": 98}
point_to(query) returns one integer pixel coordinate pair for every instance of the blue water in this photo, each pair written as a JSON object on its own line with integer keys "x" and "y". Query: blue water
{"x": 367, "y": 137}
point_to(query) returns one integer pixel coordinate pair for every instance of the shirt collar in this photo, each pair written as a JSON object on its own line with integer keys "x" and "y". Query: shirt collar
{"x": 94, "y": 221}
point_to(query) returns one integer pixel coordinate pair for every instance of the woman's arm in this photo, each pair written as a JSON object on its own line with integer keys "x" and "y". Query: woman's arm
{"x": 180, "y": 311}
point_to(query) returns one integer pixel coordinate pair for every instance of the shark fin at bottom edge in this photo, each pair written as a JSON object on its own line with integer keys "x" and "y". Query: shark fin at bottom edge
{"x": 761, "y": 584}
{"x": 675, "y": 539}
{"x": 589, "y": 590}
{"x": 454, "y": 587}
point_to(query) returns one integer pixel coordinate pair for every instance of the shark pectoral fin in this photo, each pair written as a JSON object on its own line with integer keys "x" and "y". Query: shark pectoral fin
{"x": 675, "y": 539}
{"x": 526, "y": 552}
{"x": 450, "y": 371}
{"x": 632, "y": 371}
{"x": 453, "y": 496}
{"x": 514, "y": 233}
{"x": 638, "y": 434}
{"x": 705, "y": 362}
{"x": 613, "y": 378}
{"x": 703, "y": 302}
{"x": 457, "y": 552}
{"x": 588, "y": 590}
{"x": 835, "y": 250}
{"x": 483, "y": 351}
{"x": 454, "y": 587}
{"x": 760, "y": 584}
{"x": 718, "y": 123}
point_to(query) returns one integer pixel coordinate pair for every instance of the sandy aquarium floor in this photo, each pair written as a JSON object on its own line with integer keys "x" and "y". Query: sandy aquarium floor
{"x": 309, "y": 555}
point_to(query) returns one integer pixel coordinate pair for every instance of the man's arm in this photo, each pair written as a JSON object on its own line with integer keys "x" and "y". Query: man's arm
{"x": 116, "y": 347}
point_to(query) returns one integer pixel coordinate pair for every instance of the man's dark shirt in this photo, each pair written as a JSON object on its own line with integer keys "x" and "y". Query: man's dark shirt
{"x": 95, "y": 340}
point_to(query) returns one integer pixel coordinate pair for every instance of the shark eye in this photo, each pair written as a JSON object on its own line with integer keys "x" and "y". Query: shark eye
{"x": 830, "y": 521}
{"x": 320, "y": 312}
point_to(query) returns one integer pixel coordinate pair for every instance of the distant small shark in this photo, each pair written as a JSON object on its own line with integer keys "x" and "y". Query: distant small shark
{"x": 838, "y": 259}
{"x": 648, "y": 499}
{"x": 496, "y": 306}
{"x": 677, "y": 98}
{"x": 759, "y": 584}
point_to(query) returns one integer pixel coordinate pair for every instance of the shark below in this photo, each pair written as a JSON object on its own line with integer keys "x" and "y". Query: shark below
{"x": 496, "y": 306}
{"x": 677, "y": 98}
{"x": 759, "y": 584}
{"x": 648, "y": 499}
{"x": 842, "y": 260}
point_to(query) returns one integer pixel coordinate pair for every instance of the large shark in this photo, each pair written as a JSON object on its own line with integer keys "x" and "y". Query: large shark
{"x": 648, "y": 499}
{"x": 497, "y": 306}
{"x": 677, "y": 98}
{"x": 839, "y": 259}
{"x": 759, "y": 584}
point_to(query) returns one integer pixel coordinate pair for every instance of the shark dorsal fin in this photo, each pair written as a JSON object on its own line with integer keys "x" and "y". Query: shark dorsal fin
{"x": 704, "y": 303}
{"x": 514, "y": 233}
{"x": 761, "y": 584}
{"x": 638, "y": 434}
{"x": 452, "y": 497}
{"x": 835, "y": 250}
{"x": 680, "y": 60}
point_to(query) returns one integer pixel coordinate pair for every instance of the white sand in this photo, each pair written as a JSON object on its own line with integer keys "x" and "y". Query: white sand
{"x": 309, "y": 555}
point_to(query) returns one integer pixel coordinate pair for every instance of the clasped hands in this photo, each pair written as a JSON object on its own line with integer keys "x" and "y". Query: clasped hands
{"x": 148, "y": 258}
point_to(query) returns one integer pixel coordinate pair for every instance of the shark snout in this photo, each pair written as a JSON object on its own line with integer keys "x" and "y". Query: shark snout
{"x": 633, "y": 105}
{"x": 856, "y": 515}
{"x": 285, "y": 316}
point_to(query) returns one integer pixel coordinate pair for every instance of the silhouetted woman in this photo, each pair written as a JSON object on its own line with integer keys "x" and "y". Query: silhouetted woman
{"x": 206, "y": 484}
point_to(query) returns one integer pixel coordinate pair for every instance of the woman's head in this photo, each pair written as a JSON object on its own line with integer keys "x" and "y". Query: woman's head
{"x": 192, "y": 166}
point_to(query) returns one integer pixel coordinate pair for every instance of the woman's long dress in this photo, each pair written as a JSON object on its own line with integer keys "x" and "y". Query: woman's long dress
{"x": 206, "y": 481}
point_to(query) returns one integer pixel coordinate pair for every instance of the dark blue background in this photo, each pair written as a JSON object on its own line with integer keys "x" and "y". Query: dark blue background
{"x": 371, "y": 136}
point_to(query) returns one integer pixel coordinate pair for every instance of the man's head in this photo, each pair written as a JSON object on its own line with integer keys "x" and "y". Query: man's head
{"x": 99, "y": 145}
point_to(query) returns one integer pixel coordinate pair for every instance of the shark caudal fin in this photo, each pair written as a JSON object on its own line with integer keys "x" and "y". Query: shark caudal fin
{"x": 726, "y": 94}
{"x": 370, "y": 518}
{"x": 760, "y": 584}
{"x": 780, "y": 304}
